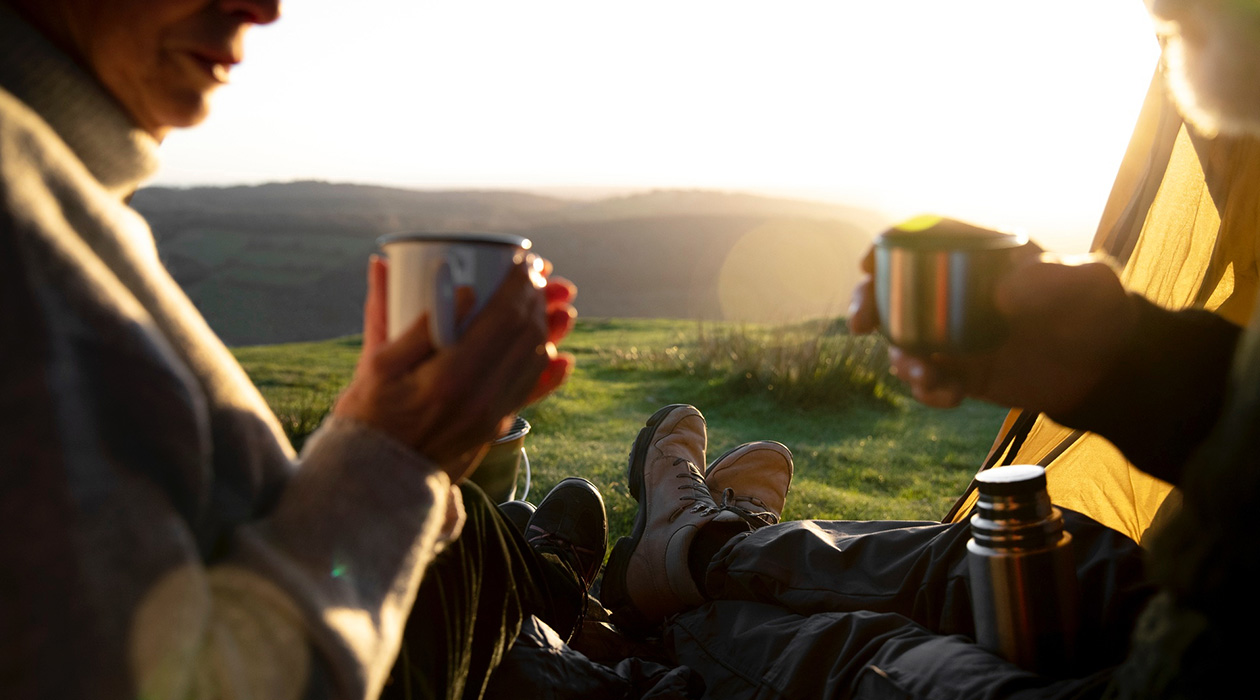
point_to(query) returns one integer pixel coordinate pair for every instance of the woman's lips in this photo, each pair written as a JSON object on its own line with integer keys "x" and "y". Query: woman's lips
{"x": 215, "y": 66}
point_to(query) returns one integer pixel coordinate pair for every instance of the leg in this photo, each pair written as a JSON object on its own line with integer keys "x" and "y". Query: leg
{"x": 471, "y": 603}
{"x": 919, "y": 571}
{"x": 752, "y": 650}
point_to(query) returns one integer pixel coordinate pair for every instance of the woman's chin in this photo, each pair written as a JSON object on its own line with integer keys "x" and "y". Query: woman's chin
{"x": 1214, "y": 75}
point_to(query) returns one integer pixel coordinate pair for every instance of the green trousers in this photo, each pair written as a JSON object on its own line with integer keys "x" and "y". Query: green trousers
{"x": 471, "y": 603}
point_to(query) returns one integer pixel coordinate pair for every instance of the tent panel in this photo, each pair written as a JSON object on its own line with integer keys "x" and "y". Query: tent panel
{"x": 1233, "y": 174}
{"x": 1174, "y": 251}
{"x": 1093, "y": 477}
{"x": 1141, "y": 173}
{"x": 1042, "y": 439}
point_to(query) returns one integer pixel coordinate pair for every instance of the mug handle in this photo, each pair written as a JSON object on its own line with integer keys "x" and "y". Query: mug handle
{"x": 442, "y": 320}
{"x": 525, "y": 466}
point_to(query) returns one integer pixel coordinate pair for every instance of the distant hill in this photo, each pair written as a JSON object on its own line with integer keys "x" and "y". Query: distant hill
{"x": 285, "y": 262}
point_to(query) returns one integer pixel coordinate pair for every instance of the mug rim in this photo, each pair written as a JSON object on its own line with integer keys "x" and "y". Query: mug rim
{"x": 453, "y": 237}
{"x": 934, "y": 241}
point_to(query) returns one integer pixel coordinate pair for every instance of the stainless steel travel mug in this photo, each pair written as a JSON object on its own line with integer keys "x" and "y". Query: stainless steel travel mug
{"x": 934, "y": 284}
{"x": 1023, "y": 578}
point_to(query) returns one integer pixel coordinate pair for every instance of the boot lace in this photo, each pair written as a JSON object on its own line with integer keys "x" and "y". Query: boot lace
{"x": 546, "y": 541}
{"x": 756, "y": 518}
{"x": 697, "y": 492}
{"x": 575, "y": 555}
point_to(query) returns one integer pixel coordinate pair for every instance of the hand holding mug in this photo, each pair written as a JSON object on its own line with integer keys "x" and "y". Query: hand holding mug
{"x": 1064, "y": 327}
{"x": 448, "y": 403}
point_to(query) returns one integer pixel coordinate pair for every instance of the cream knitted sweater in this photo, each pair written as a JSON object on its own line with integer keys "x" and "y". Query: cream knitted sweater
{"x": 158, "y": 539}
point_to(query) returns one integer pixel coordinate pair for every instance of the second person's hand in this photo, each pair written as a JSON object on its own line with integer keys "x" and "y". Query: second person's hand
{"x": 1069, "y": 325}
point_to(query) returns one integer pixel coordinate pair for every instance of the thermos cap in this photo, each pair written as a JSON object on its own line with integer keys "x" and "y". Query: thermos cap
{"x": 1015, "y": 480}
{"x": 1013, "y": 510}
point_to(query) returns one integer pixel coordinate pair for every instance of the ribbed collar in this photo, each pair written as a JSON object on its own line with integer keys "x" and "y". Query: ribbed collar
{"x": 118, "y": 153}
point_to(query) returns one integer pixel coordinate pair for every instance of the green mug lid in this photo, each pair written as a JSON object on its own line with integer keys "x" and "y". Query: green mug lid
{"x": 939, "y": 233}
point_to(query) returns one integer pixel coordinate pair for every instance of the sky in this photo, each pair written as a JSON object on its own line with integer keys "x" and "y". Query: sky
{"x": 1007, "y": 113}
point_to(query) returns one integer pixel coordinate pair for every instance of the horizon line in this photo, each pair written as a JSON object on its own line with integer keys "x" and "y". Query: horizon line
{"x": 576, "y": 192}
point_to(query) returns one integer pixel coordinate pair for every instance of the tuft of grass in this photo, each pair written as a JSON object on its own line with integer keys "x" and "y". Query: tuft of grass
{"x": 808, "y": 365}
{"x": 300, "y": 415}
{"x": 300, "y": 381}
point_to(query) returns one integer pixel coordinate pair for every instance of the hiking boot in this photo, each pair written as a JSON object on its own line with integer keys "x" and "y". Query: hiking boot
{"x": 518, "y": 513}
{"x": 753, "y": 479}
{"x": 572, "y": 524}
{"x": 648, "y": 578}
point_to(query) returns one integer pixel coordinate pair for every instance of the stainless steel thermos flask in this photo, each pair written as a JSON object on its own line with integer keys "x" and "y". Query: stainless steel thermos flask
{"x": 1023, "y": 579}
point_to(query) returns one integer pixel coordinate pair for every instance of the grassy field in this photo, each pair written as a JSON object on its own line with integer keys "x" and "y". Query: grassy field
{"x": 862, "y": 449}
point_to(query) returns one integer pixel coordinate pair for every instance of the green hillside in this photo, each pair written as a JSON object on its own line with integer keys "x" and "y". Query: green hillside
{"x": 862, "y": 450}
{"x": 285, "y": 262}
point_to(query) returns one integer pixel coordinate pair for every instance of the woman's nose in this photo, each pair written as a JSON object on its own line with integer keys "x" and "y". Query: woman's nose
{"x": 253, "y": 11}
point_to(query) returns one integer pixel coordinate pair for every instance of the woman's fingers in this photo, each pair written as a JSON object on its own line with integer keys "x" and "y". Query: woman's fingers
{"x": 404, "y": 353}
{"x": 465, "y": 302}
{"x": 556, "y": 374}
{"x": 559, "y": 322}
{"x": 516, "y": 307}
{"x": 560, "y": 291}
{"x": 375, "y": 318}
{"x": 512, "y": 325}
{"x": 495, "y": 386}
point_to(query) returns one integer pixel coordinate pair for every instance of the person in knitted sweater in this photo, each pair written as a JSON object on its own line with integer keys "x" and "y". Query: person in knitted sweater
{"x": 160, "y": 538}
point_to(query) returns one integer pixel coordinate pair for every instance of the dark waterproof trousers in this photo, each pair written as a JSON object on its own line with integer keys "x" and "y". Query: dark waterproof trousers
{"x": 838, "y": 609}
{"x": 471, "y": 603}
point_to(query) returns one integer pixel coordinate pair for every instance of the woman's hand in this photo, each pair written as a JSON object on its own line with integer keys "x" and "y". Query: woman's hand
{"x": 449, "y": 404}
{"x": 559, "y": 294}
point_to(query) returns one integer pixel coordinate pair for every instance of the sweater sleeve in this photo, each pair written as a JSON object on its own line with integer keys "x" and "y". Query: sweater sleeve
{"x": 353, "y": 533}
{"x": 340, "y": 559}
{"x": 1160, "y": 403}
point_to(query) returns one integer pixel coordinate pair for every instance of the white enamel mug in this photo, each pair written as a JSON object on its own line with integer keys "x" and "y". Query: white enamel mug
{"x": 425, "y": 269}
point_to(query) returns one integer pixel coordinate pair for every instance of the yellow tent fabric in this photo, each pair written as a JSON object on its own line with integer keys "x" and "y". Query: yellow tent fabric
{"x": 1181, "y": 221}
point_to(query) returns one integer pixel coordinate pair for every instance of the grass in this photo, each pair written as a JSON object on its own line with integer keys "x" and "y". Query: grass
{"x": 301, "y": 380}
{"x": 862, "y": 449}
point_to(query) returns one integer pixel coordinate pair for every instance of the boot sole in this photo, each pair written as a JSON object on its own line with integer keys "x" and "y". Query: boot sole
{"x": 615, "y": 595}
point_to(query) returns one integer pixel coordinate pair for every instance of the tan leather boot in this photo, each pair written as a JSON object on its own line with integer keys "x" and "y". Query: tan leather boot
{"x": 754, "y": 478}
{"x": 647, "y": 579}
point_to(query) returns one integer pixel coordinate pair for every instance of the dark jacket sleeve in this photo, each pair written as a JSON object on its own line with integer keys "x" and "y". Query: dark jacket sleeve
{"x": 1164, "y": 398}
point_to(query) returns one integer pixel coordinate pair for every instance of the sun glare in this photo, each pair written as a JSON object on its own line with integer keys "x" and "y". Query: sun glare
{"x": 1007, "y": 113}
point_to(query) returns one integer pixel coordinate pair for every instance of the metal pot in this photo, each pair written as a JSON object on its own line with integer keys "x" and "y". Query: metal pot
{"x": 934, "y": 284}
{"x": 498, "y": 471}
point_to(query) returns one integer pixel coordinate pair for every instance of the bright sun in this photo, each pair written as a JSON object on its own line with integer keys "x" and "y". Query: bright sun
{"x": 1012, "y": 114}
